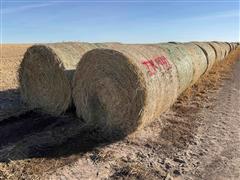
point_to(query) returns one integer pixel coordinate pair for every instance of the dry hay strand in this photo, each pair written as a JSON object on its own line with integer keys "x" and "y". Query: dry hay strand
{"x": 46, "y": 73}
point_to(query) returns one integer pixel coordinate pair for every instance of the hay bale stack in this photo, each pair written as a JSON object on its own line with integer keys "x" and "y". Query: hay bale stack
{"x": 199, "y": 59}
{"x": 224, "y": 49}
{"x": 232, "y": 48}
{"x": 218, "y": 51}
{"x": 209, "y": 51}
{"x": 46, "y": 73}
{"x": 229, "y": 46}
{"x": 126, "y": 87}
{"x": 235, "y": 45}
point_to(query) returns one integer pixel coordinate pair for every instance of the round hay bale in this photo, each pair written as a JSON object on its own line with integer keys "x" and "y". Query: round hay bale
{"x": 209, "y": 51}
{"x": 46, "y": 73}
{"x": 224, "y": 49}
{"x": 125, "y": 87}
{"x": 183, "y": 62}
{"x": 217, "y": 50}
{"x": 199, "y": 60}
{"x": 229, "y": 47}
{"x": 233, "y": 47}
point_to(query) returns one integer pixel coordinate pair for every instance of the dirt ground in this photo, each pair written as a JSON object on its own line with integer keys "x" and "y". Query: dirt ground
{"x": 10, "y": 59}
{"x": 198, "y": 138}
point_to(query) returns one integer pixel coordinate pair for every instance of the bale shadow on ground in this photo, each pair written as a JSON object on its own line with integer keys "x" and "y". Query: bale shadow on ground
{"x": 10, "y": 103}
{"x": 37, "y": 135}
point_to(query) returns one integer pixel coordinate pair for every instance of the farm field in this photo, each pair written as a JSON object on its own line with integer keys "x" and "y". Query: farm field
{"x": 198, "y": 138}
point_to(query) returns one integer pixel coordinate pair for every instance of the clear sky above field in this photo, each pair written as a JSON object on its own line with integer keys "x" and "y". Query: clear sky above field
{"x": 129, "y": 21}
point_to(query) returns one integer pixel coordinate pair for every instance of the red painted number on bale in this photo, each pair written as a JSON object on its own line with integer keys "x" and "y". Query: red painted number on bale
{"x": 158, "y": 62}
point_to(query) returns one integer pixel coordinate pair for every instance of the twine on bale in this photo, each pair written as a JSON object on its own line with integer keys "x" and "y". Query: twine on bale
{"x": 43, "y": 83}
{"x": 124, "y": 88}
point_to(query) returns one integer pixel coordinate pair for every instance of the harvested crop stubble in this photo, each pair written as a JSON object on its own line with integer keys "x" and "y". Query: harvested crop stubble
{"x": 128, "y": 86}
{"x": 46, "y": 73}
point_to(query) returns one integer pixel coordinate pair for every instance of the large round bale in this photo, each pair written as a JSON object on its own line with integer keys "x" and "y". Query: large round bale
{"x": 46, "y": 73}
{"x": 229, "y": 47}
{"x": 209, "y": 51}
{"x": 217, "y": 50}
{"x": 183, "y": 61}
{"x": 125, "y": 87}
{"x": 233, "y": 46}
{"x": 224, "y": 49}
{"x": 199, "y": 60}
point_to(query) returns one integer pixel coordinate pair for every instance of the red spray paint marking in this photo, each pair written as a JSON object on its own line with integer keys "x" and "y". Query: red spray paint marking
{"x": 152, "y": 68}
{"x": 158, "y": 62}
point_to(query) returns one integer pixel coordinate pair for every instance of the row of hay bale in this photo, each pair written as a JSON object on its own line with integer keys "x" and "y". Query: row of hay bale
{"x": 118, "y": 87}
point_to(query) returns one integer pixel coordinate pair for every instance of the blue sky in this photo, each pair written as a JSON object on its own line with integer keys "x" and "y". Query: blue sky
{"x": 129, "y": 21}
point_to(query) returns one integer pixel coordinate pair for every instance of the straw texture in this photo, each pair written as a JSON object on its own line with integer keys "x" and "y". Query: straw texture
{"x": 125, "y": 87}
{"x": 46, "y": 73}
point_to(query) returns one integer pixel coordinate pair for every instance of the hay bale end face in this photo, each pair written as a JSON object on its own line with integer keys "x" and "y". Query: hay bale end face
{"x": 124, "y": 88}
{"x": 217, "y": 50}
{"x": 43, "y": 83}
{"x": 209, "y": 51}
{"x": 46, "y": 72}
